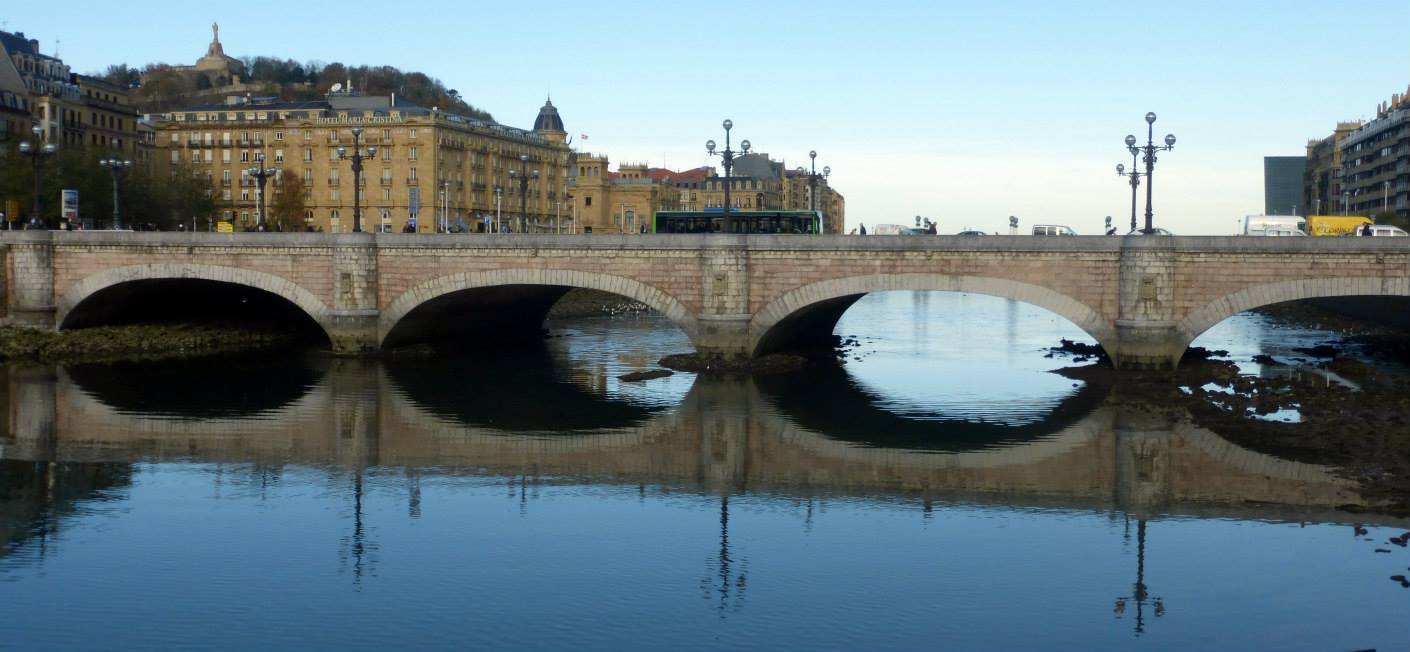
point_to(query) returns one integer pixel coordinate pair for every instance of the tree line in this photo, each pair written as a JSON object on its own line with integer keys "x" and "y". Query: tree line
{"x": 160, "y": 87}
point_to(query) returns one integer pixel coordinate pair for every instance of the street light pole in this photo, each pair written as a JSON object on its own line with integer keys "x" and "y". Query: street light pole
{"x": 35, "y": 151}
{"x": 523, "y": 176}
{"x": 498, "y": 218}
{"x": 1135, "y": 177}
{"x": 262, "y": 174}
{"x": 117, "y": 167}
{"x": 1149, "y": 150}
{"x": 357, "y": 157}
{"x": 445, "y": 207}
{"x": 727, "y": 156}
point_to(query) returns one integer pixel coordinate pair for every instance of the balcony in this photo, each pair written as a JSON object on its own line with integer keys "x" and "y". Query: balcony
{"x": 411, "y": 181}
{"x": 225, "y": 183}
{"x": 247, "y": 183}
{"x": 193, "y": 142}
{"x": 333, "y": 182}
{"x": 386, "y": 181}
{"x": 226, "y": 143}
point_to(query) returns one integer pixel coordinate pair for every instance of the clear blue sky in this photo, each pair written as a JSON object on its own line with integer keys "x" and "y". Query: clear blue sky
{"x": 961, "y": 111}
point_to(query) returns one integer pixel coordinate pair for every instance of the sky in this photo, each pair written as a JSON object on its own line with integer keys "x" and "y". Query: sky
{"x": 963, "y": 112}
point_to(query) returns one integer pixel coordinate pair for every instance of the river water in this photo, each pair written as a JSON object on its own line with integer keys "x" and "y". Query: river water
{"x": 938, "y": 490}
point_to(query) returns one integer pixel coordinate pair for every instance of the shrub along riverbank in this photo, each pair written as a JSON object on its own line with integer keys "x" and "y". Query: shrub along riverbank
{"x": 131, "y": 342}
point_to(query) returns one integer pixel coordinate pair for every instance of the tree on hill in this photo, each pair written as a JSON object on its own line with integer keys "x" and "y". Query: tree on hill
{"x": 164, "y": 88}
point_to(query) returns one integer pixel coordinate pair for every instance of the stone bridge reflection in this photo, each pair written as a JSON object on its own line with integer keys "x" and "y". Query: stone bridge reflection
{"x": 725, "y": 436}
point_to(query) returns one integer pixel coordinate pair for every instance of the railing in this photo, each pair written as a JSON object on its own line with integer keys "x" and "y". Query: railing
{"x": 411, "y": 181}
{"x": 333, "y": 181}
{"x": 386, "y": 181}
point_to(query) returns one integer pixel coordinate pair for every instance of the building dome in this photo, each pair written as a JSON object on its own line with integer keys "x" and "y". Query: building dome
{"x": 548, "y": 119}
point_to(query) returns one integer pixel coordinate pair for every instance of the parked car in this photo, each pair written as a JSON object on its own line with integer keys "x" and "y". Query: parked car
{"x": 971, "y": 233}
{"x": 1052, "y": 229}
{"x": 1155, "y": 231}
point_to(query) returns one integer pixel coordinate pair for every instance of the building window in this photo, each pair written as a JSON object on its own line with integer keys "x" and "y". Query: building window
{"x": 587, "y": 201}
{"x": 411, "y": 154}
{"x": 225, "y": 195}
{"x": 244, "y": 156}
{"x": 244, "y": 195}
{"x": 278, "y": 156}
{"x": 413, "y": 133}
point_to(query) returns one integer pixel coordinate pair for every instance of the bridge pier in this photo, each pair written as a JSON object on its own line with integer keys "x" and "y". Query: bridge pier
{"x": 1146, "y": 333}
{"x": 353, "y": 320}
{"x": 32, "y": 277}
{"x": 722, "y": 327}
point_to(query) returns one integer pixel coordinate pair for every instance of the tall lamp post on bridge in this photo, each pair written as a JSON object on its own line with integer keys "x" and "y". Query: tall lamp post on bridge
{"x": 523, "y": 174}
{"x": 35, "y": 151}
{"x": 357, "y": 157}
{"x": 1148, "y": 150}
{"x": 1135, "y": 178}
{"x": 727, "y": 156}
{"x": 117, "y": 167}
{"x": 262, "y": 174}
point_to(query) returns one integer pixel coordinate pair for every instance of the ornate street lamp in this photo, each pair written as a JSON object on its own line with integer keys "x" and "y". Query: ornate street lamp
{"x": 34, "y": 152}
{"x": 117, "y": 167}
{"x": 1148, "y": 150}
{"x": 357, "y": 157}
{"x": 727, "y": 156}
{"x": 1135, "y": 178}
{"x": 262, "y": 174}
{"x": 523, "y": 176}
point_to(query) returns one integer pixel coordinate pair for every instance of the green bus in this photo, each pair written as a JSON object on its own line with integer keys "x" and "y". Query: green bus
{"x": 713, "y": 221}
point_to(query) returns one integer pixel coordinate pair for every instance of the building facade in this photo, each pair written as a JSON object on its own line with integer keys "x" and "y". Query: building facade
{"x": 618, "y": 202}
{"x": 623, "y": 201}
{"x": 1322, "y": 181}
{"x": 1282, "y": 184}
{"x": 421, "y": 167}
{"x": 1376, "y": 162}
{"x": 70, "y": 109}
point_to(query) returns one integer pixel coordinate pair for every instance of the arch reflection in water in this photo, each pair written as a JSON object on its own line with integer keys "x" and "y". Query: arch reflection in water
{"x": 231, "y": 386}
{"x": 726, "y": 434}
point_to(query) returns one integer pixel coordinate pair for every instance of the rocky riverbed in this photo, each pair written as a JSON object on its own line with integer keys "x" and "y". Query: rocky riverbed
{"x": 1340, "y": 403}
{"x": 132, "y": 342}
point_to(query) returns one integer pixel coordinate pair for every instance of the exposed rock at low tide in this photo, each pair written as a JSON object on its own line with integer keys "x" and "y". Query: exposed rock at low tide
{"x": 639, "y": 376}
{"x": 131, "y": 342}
{"x": 773, "y": 363}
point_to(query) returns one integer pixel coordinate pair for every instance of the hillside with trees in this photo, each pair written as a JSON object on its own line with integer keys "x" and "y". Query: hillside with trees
{"x": 159, "y": 87}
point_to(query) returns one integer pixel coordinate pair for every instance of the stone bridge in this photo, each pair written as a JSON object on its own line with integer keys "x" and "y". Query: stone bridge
{"x": 1144, "y": 299}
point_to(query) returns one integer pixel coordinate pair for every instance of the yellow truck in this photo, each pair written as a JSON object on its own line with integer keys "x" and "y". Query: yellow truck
{"x": 1335, "y": 224}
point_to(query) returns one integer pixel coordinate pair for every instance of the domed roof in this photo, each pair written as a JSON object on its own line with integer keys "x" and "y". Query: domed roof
{"x": 548, "y": 119}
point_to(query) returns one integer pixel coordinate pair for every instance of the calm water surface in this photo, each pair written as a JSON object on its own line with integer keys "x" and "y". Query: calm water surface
{"x": 939, "y": 490}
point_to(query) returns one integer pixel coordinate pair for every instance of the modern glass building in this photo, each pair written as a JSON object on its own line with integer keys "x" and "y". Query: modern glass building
{"x": 1282, "y": 185}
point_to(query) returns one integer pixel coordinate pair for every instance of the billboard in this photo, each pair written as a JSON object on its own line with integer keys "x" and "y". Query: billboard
{"x": 68, "y": 202}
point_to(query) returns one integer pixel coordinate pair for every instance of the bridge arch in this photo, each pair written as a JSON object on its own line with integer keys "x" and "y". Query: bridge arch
{"x": 1205, "y": 317}
{"x": 278, "y": 286}
{"x": 442, "y": 287}
{"x": 780, "y": 318}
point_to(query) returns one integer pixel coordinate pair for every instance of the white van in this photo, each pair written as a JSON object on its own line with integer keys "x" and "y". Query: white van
{"x": 1052, "y": 229}
{"x": 1386, "y": 230}
{"x": 1275, "y": 225}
